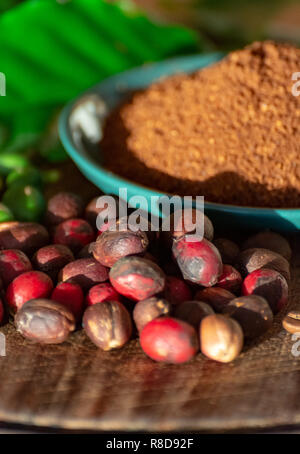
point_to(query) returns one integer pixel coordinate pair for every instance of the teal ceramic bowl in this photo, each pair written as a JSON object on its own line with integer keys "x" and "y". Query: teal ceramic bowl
{"x": 80, "y": 131}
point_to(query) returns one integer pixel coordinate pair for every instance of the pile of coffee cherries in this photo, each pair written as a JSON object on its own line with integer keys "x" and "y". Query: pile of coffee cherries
{"x": 179, "y": 296}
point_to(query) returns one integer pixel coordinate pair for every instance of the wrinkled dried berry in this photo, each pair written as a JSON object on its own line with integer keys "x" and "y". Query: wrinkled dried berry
{"x": 147, "y": 310}
{"x": 28, "y": 286}
{"x": 176, "y": 290}
{"x": 112, "y": 246}
{"x": 102, "y": 292}
{"x": 25, "y": 236}
{"x": 230, "y": 279}
{"x": 63, "y": 206}
{"x": 52, "y": 258}
{"x": 74, "y": 233}
{"x": 216, "y": 297}
{"x": 269, "y": 240}
{"x": 71, "y": 296}
{"x": 253, "y": 314}
{"x": 291, "y": 322}
{"x": 84, "y": 272}
{"x": 169, "y": 340}
{"x": 108, "y": 324}
{"x": 257, "y": 258}
{"x": 12, "y": 264}
{"x": 269, "y": 284}
{"x": 199, "y": 261}
{"x": 193, "y": 312}
{"x": 137, "y": 278}
{"x": 44, "y": 321}
{"x": 221, "y": 338}
{"x": 228, "y": 249}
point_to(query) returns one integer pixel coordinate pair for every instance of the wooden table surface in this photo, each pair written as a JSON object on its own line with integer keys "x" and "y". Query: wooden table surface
{"x": 76, "y": 386}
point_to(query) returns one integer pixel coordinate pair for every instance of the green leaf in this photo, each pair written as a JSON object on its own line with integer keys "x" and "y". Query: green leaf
{"x": 50, "y": 51}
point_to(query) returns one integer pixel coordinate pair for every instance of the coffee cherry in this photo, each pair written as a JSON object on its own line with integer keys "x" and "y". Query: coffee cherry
{"x": 257, "y": 258}
{"x": 71, "y": 296}
{"x": 102, "y": 292}
{"x": 199, "y": 261}
{"x": 112, "y": 246}
{"x": 108, "y": 324}
{"x": 44, "y": 321}
{"x": 193, "y": 312}
{"x": 253, "y": 314}
{"x": 13, "y": 263}
{"x": 63, "y": 206}
{"x": 269, "y": 284}
{"x": 149, "y": 309}
{"x": 230, "y": 279}
{"x": 228, "y": 249}
{"x": 216, "y": 297}
{"x": 74, "y": 233}
{"x": 269, "y": 240}
{"x": 137, "y": 278}
{"x": 221, "y": 338}
{"x": 176, "y": 290}
{"x": 84, "y": 272}
{"x": 52, "y": 258}
{"x": 169, "y": 340}
{"x": 25, "y": 236}
{"x": 28, "y": 286}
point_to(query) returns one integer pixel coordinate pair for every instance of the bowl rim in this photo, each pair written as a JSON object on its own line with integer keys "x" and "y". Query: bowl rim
{"x": 85, "y": 161}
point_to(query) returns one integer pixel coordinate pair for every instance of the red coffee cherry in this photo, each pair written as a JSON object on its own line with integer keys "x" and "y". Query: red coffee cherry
{"x": 230, "y": 279}
{"x": 176, "y": 290}
{"x": 13, "y": 263}
{"x": 28, "y": 286}
{"x": 137, "y": 278}
{"x": 102, "y": 292}
{"x": 169, "y": 340}
{"x": 71, "y": 296}
{"x": 74, "y": 233}
{"x": 199, "y": 261}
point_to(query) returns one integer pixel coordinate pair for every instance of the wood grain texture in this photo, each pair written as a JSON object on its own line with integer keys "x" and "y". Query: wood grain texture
{"x": 76, "y": 386}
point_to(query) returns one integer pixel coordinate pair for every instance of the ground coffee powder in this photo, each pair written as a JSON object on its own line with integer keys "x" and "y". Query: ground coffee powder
{"x": 230, "y": 132}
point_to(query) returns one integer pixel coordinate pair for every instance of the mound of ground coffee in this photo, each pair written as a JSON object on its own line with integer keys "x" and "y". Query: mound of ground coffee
{"x": 230, "y": 132}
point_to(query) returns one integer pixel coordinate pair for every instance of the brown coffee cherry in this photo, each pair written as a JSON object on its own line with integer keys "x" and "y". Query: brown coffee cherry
{"x": 63, "y": 206}
{"x": 216, "y": 297}
{"x": 253, "y": 314}
{"x": 44, "y": 321}
{"x": 256, "y": 258}
{"x": 221, "y": 338}
{"x": 193, "y": 312}
{"x": 228, "y": 249}
{"x": 108, "y": 324}
{"x": 52, "y": 258}
{"x": 147, "y": 310}
{"x": 269, "y": 240}
{"x": 84, "y": 272}
{"x": 112, "y": 246}
{"x": 25, "y": 236}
